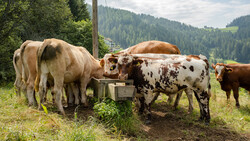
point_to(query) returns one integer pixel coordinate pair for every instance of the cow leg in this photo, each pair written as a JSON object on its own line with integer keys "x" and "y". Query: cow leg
{"x": 75, "y": 90}
{"x": 142, "y": 106}
{"x": 17, "y": 85}
{"x": 139, "y": 103}
{"x": 148, "y": 113}
{"x": 58, "y": 89}
{"x": 189, "y": 94}
{"x": 203, "y": 100}
{"x": 236, "y": 96}
{"x": 83, "y": 87}
{"x": 149, "y": 98}
{"x": 228, "y": 95}
{"x": 24, "y": 90}
{"x": 69, "y": 94}
{"x": 170, "y": 98}
{"x": 177, "y": 100}
{"x": 31, "y": 94}
{"x": 43, "y": 89}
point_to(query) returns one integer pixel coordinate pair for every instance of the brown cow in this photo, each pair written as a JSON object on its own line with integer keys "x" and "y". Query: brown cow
{"x": 28, "y": 57}
{"x": 157, "y": 47}
{"x": 66, "y": 64}
{"x": 231, "y": 77}
{"x": 19, "y": 85}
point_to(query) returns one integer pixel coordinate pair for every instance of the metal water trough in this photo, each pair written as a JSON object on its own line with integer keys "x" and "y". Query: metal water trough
{"x": 115, "y": 89}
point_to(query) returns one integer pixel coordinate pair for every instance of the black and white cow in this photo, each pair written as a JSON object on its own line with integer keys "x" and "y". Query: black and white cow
{"x": 170, "y": 75}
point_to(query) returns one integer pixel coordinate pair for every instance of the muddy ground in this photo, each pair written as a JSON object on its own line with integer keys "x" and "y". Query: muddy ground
{"x": 168, "y": 124}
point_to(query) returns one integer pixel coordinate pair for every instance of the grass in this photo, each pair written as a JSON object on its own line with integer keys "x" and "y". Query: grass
{"x": 229, "y": 61}
{"x": 20, "y": 122}
{"x": 223, "y": 113}
{"x": 232, "y": 29}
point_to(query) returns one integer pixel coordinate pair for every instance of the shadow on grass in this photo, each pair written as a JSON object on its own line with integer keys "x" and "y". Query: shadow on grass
{"x": 170, "y": 124}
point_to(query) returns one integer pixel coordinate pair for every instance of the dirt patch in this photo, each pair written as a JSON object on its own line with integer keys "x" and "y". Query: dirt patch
{"x": 172, "y": 125}
{"x": 168, "y": 124}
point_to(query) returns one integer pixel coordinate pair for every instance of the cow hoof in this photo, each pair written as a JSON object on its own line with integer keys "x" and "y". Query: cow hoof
{"x": 85, "y": 105}
{"x": 148, "y": 122}
{"x": 207, "y": 123}
{"x": 238, "y": 105}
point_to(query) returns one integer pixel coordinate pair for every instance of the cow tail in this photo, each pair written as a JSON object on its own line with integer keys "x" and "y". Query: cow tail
{"x": 38, "y": 64}
{"x": 22, "y": 48}
{"x": 209, "y": 90}
{"x": 209, "y": 84}
{"x": 16, "y": 57}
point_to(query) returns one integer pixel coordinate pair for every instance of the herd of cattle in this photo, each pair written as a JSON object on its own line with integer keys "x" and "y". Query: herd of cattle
{"x": 156, "y": 67}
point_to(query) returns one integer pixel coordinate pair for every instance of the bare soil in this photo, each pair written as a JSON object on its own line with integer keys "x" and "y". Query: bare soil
{"x": 170, "y": 125}
{"x": 173, "y": 125}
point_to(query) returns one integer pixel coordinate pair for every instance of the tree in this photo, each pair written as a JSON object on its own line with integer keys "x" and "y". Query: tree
{"x": 43, "y": 20}
{"x": 79, "y": 10}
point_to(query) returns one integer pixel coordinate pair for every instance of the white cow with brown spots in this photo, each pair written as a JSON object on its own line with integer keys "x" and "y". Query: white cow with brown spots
{"x": 169, "y": 75}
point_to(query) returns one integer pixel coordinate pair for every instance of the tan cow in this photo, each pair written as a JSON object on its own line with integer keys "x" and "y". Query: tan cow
{"x": 19, "y": 85}
{"x": 66, "y": 64}
{"x": 28, "y": 56}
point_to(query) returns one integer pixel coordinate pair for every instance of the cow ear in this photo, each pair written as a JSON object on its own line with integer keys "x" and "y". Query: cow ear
{"x": 102, "y": 63}
{"x": 213, "y": 66}
{"x": 229, "y": 69}
{"x": 137, "y": 62}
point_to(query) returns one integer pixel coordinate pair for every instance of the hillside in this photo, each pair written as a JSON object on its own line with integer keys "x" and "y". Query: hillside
{"x": 127, "y": 28}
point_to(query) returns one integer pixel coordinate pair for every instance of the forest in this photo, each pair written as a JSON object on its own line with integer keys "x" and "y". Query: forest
{"x": 22, "y": 20}
{"x": 126, "y": 29}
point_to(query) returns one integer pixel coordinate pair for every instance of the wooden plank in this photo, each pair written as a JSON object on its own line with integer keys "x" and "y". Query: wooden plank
{"x": 95, "y": 29}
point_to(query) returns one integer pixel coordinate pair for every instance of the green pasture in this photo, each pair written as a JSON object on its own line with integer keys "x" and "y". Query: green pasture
{"x": 232, "y": 29}
{"x": 20, "y": 122}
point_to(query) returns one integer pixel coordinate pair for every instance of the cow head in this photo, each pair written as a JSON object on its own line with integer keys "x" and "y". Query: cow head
{"x": 220, "y": 70}
{"x": 109, "y": 64}
{"x": 125, "y": 65}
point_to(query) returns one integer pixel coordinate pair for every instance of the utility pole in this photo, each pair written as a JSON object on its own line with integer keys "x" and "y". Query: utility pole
{"x": 95, "y": 29}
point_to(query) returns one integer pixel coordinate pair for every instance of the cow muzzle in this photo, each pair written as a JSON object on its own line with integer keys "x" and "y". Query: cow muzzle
{"x": 123, "y": 77}
{"x": 219, "y": 79}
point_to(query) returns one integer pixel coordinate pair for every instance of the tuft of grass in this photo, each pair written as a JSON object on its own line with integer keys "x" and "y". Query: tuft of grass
{"x": 20, "y": 122}
{"x": 118, "y": 116}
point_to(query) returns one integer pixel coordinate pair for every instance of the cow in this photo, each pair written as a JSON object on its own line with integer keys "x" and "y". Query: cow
{"x": 231, "y": 77}
{"x": 157, "y": 47}
{"x": 169, "y": 75}
{"x": 19, "y": 85}
{"x": 65, "y": 63}
{"x": 28, "y": 58}
{"x": 153, "y": 46}
{"x": 113, "y": 58}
